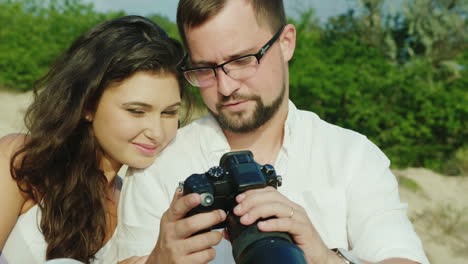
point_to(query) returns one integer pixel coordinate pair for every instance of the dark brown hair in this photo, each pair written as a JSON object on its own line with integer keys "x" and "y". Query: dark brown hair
{"x": 59, "y": 164}
{"x": 192, "y": 13}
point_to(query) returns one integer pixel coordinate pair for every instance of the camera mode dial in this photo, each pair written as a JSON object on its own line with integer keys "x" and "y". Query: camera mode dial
{"x": 215, "y": 172}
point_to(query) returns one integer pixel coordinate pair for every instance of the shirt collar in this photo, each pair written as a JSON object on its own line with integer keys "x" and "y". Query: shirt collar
{"x": 213, "y": 141}
{"x": 289, "y": 127}
{"x": 215, "y": 144}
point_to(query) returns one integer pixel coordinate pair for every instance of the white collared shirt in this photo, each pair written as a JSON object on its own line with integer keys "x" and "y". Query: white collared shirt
{"x": 341, "y": 179}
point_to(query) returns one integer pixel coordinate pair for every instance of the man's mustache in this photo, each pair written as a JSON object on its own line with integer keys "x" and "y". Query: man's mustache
{"x": 236, "y": 97}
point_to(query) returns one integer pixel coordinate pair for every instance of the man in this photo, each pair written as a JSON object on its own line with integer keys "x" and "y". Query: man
{"x": 338, "y": 191}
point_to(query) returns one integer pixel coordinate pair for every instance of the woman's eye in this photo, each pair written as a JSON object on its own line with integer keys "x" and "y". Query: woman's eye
{"x": 171, "y": 113}
{"x": 136, "y": 111}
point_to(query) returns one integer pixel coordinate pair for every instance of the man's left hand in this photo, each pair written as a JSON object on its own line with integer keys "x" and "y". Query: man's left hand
{"x": 290, "y": 217}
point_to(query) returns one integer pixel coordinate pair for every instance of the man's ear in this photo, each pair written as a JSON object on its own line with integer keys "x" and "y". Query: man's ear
{"x": 288, "y": 41}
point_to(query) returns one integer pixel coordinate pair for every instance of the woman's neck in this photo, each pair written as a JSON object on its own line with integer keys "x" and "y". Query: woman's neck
{"x": 110, "y": 168}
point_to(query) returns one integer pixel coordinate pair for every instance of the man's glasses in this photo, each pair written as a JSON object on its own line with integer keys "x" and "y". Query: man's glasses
{"x": 239, "y": 68}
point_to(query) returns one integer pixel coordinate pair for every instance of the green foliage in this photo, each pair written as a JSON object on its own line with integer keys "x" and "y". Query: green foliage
{"x": 36, "y": 33}
{"x": 409, "y": 184}
{"x": 415, "y": 115}
{"x": 399, "y": 79}
{"x": 439, "y": 26}
{"x": 461, "y": 159}
{"x": 167, "y": 24}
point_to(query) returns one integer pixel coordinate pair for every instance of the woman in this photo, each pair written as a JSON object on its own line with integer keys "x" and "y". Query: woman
{"x": 112, "y": 99}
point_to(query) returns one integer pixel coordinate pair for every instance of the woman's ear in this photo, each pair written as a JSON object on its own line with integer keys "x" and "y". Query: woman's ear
{"x": 288, "y": 41}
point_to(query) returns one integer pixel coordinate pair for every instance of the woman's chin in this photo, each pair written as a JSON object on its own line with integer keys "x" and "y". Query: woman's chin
{"x": 142, "y": 163}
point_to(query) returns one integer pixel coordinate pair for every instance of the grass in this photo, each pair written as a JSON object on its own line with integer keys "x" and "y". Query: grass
{"x": 461, "y": 159}
{"x": 408, "y": 184}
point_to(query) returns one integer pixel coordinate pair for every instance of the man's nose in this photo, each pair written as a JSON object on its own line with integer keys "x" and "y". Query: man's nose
{"x": 226, "y": 84}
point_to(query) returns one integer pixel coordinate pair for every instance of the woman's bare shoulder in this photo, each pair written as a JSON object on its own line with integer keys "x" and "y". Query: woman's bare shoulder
{"x": 11, "y": 143}
{"x": 15, "y": 199}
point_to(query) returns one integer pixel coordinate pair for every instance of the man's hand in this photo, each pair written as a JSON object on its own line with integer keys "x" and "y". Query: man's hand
{"x": 176, "y": 243}
{"x": 290, "y": 217}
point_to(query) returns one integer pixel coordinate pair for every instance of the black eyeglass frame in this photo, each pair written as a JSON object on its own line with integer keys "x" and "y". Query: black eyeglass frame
{"x": 263, "y": 50}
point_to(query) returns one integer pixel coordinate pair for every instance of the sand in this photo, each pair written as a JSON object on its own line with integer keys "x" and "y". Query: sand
{"x": 439, "y": 212}
{"x": 12, "y": 108}
{"x": 438, "y": 207}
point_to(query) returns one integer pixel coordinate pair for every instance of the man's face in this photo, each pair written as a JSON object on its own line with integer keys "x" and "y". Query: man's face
{"x": 240, "y": 105}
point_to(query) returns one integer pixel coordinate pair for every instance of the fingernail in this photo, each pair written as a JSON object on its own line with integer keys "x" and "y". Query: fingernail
{"x": 222, "y": 214}
{"x": 245, "y": 219}
{"x": 238, "y": 209}
{"x": 240, "y": 197}
{"x": 262, "y": 225}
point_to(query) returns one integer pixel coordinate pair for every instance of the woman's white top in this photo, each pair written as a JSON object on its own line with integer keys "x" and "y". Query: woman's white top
{"x": 26, "y": 243}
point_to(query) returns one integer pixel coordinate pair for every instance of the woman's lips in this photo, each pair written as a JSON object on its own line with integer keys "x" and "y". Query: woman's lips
{"x": 146, "y": 149}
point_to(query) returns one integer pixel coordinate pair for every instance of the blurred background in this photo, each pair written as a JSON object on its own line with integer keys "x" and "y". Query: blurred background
{"x": 393, "y": 70}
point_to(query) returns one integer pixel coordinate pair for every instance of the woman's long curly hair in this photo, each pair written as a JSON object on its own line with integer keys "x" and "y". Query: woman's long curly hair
{"x": 58, "y": 167}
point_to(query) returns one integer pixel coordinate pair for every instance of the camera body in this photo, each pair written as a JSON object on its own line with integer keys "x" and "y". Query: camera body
{"x": 218, "y": 187}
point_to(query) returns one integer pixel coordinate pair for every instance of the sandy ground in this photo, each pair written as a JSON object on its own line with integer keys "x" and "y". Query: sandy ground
{"x": 438, "y": 209}
{"x": 12, "y": 108}
{"x": 437, "y": 204}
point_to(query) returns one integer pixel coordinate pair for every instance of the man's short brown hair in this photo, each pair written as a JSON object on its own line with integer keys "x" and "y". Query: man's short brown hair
{"x": 192, "y": 13}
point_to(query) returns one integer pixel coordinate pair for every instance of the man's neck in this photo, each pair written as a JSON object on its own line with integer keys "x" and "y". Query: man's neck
{"x": 264, "y": 142}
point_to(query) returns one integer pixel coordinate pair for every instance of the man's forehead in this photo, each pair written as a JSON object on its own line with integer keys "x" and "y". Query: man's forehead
{"x": 222, "y": 51}
{"x": 210, "y": 46}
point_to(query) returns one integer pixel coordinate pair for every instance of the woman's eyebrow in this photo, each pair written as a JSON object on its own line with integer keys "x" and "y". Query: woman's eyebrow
{"x": 137, "y": 104}
{"x": 173, "y": 105}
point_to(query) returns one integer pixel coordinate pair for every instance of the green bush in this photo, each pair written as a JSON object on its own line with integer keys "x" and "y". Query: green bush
{"x": 461, "y": 159}
{"x": 36, "y": 32}
{"x": 416, "y": 119}
{"x": 413, "y": 108}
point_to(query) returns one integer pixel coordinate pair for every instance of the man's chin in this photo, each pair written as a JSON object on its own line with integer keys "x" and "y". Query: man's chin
{"x": 235, "y": 124}
{"x": 236, "y": 118}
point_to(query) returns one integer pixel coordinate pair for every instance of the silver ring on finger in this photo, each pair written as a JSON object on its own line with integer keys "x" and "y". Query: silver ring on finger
{"x": 292, "y": 212}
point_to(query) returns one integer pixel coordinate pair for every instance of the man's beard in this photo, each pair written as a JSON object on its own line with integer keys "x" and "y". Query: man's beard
{"x": 235, "y": 122}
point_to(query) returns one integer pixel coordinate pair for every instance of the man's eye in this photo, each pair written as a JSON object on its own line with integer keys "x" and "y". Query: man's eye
{"x": 136, "y": 111}
{"x": 243, "y": 62}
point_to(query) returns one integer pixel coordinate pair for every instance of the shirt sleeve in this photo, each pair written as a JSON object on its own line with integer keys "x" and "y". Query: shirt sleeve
{"x": 378, "y": 225}
{"x": 142, "y": 203}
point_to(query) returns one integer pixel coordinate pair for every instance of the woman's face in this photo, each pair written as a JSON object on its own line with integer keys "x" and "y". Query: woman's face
{"x": 135, "y": 119}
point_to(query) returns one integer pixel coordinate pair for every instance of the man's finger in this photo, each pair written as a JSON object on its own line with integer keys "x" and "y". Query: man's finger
{"x": 199, "y": 222}
{"x": 278, "y": 210}
{"x": 203, "y": 256}
{"x": 202, "y": 241}
{"x": 181, "y": 205}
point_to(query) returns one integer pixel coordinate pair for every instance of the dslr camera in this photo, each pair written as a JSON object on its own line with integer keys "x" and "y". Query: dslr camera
{"x": 218, "y": 187}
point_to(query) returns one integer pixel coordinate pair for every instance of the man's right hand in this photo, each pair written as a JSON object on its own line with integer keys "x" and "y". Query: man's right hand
{"x": 176, "y": 243}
